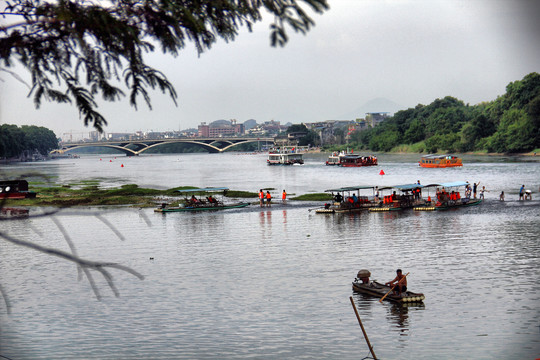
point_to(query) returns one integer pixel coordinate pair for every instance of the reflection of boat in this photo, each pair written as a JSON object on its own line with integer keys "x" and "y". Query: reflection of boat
{"x": 285, "y": 157}
{"x": 349, "y": 199}
{"x": 447, "y": 196}
{"x": 15, "y": 189}
{"x": 374, "y": 288}
{"x": 440, "y": 161}
{"x": 209, "y": 203}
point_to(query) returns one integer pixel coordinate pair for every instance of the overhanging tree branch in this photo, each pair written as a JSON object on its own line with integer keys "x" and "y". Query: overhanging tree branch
{"x": 98, "y": 39}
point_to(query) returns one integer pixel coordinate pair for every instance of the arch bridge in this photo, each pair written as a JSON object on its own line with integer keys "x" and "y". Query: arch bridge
{"x": 136, "y": 147}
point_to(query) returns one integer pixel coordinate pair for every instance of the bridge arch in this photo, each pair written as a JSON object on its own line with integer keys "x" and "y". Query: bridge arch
{"x": 213, "y": 145}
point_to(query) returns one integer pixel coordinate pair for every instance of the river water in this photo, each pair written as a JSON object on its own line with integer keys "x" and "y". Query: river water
{"x": 274, "y": 283}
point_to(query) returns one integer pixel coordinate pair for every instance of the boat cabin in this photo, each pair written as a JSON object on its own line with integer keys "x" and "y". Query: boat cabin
{"x": 358, "y": 161}
{"x": 285, "y": 159}
{"x": 440, "y": 161}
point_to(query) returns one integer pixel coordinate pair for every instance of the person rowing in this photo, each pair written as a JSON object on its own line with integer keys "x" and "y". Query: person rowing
{"x": 400, "y": 283}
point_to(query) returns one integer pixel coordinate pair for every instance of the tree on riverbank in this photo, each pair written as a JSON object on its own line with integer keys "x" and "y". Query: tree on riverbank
{"x": 511, "y": 123}
{"x": 16, "y": 141}
{"x": 75, "y": 50}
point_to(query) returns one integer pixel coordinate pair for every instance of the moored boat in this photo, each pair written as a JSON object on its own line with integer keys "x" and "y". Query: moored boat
{"x": 448, "y": 196}
{"x": 409, "y": 196}
{"x": 350, "y": 199}
{"x": 440, "y": 161}
{"x": 194, "y": 203}
{"x": 15, "y": 189}
{"x": 363, "y": 285}
{"x": 13, "y": 212}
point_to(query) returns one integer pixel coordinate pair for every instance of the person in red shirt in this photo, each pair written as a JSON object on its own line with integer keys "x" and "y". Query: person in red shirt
{"x": 261, "y": 197}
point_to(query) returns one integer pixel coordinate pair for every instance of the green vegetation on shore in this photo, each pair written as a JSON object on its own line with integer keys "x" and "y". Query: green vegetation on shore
{"x": 509, "y": 124}
{"x": 16, "y": 141}
{"x": 89, "y": 193}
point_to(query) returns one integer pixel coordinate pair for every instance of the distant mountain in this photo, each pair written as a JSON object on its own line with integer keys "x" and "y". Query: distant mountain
{"x": 220, "y": 122}
{"x": 373, "y": 106}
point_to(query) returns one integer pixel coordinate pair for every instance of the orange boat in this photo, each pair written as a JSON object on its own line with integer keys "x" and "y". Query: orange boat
{"x": 440, "y": 161}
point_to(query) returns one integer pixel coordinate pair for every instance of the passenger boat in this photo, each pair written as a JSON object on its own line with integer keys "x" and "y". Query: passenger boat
{"x": 349, "y": 199}
{"x": 409, "y": 196}
{"x": 440, "y": 161}
{"x": 358, "y": 161}
{"x": 362, "y": 284}
{"x": 285, "y": 157}
{"x": 15, "y": 189}
{"x": 335, "y": 158}
{"x": 194, "y": 203}
{"x": 448, "y": 196}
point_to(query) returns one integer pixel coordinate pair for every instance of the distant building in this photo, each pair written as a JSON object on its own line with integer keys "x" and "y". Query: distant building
{"x": 374, "y": 119}
{"x": 119, "y": 136}
{"x": 221, "y": 129}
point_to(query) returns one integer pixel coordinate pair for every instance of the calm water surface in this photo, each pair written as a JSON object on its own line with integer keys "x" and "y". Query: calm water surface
{"x": 275, "y": 283}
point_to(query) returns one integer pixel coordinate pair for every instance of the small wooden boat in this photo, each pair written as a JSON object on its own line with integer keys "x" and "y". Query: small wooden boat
{"x": 349, "y": 199}
{"x": 285, "y": 157}
{"x": 440, "y": 161}
{"x": 379, "y": 290}
{"x": 201, "y": 207}
{"x": 209, "y": 203}
{"x": 15, "y": 189}
{"x": 447, "y": 196}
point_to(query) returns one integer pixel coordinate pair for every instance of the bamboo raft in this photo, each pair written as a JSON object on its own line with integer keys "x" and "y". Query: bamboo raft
{"x": 379, "y": 290}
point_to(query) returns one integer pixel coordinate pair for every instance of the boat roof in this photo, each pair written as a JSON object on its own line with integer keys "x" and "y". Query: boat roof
{"x": 449, "y": 184}
{"x": 437, "y": 156}
{"x": 408, "y": 187}
{"x": 351, "y": 188}
{"x": 208, "y": 189}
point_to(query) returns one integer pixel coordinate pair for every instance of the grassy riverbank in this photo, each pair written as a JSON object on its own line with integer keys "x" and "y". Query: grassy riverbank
{"x": 90, "y": 194}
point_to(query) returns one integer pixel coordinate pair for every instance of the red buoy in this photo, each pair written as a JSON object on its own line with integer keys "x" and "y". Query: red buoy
{"x": 122, "y": 165}
{"x": 382, "y": 172}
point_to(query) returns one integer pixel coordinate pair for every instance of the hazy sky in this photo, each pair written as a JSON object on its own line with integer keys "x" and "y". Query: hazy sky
{"x": 409, "y": 52}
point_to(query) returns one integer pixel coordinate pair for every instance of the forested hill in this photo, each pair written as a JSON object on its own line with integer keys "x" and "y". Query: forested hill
{"x": 15, "y": 141}
{"x": 509, "y": 124}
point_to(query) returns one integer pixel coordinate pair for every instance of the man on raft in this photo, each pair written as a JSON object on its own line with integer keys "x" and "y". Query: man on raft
{"x": 401, "y": 283}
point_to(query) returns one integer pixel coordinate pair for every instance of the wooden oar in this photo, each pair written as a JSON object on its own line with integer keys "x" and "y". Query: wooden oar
{"x": 400, "y": 280}
{"x": 362, "y": 327}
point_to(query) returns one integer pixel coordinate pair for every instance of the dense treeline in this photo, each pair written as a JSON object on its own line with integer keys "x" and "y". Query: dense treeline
{"x": 17, "y": 141}
{"x": 509, "y": 124}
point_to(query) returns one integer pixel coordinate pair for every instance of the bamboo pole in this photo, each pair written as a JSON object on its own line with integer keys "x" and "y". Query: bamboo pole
{"x": 362, "y": 327}
{"x": 400, "y": 280}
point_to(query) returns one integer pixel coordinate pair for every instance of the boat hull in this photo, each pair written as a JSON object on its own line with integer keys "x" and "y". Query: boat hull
{"x": 379, "y": 290}
{"x": 201, "y": 208}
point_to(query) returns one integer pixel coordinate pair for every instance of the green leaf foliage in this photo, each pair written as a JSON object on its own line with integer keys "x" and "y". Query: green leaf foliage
{"x": 509, "y": 124}
{"x": 76, "y": 50}
{"x": 14, "y": 141}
